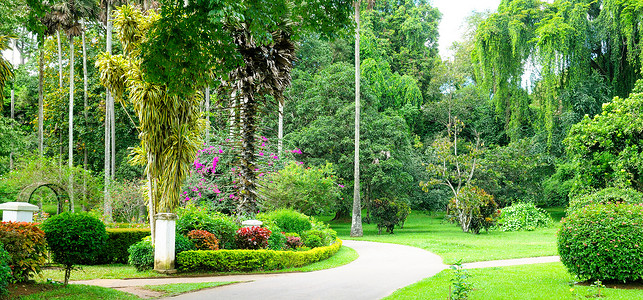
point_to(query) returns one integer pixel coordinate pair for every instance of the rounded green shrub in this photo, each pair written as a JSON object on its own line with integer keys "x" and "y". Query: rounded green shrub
{"x": 288, "y": 220}
{"x": 606, "y": 195}
{"x": 603, "y": 242}
{"x": 183, "y": 243}
{"x": 74, "y": 239}
{"x": 222, "y": 226}
{"x": 314, "y": 238}
{"x": 523, "y": 216}
{"x": 141, "y": 255}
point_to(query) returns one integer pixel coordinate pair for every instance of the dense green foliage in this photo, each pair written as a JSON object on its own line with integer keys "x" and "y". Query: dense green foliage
{"x": 473, "y": 210}
{"x": 287, "y": 220}
{"x": 523, "y": 216}
{"x": 5, "y": 271}
{"x": 27, "y": 248}
{"x": 118, "y": 241}
{"x": 141, "y": 255}
{"x": 603, "y": 242}
{"x": 74, "y": 239}
{"x": 312, "y": 190}
{"x": 251, "y": 260}
{"x": 223, "y": 227}
{"x": 604, "y": 196}
{"x": 386, "y": 214}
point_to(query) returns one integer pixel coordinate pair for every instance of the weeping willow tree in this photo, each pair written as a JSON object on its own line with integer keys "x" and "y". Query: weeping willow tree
{"x": 169, "y": 124}
{"x": 581, "y": 52}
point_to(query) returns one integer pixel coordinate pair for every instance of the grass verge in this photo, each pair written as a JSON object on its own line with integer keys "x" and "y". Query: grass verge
{"x": 79, "y": 292}
{"x": 433, "y": 233}
{"x": 539, "y": 281}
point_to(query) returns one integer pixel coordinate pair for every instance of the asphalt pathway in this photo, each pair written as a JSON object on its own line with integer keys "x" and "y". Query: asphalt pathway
{"x": 379, "y": 270}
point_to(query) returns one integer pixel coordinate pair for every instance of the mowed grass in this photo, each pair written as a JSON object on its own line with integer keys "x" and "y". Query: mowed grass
{"x": 433, "y": 233}
{"x": 548, "y": 281}
{"x": 343, "y": 256}
{"x": 81, "y": 292}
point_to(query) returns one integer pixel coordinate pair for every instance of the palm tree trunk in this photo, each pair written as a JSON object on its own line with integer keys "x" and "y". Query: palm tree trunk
{"x": 41, "y": 63}
{"x": 84, "y": 114}
{"x": 60, "y": 61}
{"x": 356, "y": 223}
{"x": 247, "y": 192}
{"x": 207, "y": 113}
{"x": 13, "y": 101}
{"x": 107, "y": 201}
{"x": 71, "y": 122}
{"x": 280, "y": 130}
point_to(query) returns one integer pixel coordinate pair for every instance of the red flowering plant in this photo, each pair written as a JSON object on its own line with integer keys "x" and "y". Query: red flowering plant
{"x": 203, "y": 240}
{"x": 214, "y": 176}
{"x": 253, "y": 238}
{"x": 293, "y": 242}
{"x": 27, "y": 246}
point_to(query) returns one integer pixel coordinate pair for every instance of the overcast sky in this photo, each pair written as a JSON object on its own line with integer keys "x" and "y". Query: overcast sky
{"x": 454, "y": 12}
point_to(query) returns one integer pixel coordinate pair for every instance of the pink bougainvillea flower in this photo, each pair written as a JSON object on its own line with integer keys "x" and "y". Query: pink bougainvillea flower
{"x": 260, "y": 153}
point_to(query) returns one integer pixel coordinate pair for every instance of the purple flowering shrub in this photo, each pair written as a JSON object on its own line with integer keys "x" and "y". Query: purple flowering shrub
{"x": 214, "y": 176}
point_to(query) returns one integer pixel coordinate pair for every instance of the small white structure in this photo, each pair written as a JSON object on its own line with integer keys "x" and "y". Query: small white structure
{"x": 18, "y": 211}
{"x": 164, "y": 252}
{"x": 250, "y": 223}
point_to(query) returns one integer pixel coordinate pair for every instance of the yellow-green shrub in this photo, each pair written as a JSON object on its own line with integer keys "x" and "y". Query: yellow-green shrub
{"x": 251, "y": 260}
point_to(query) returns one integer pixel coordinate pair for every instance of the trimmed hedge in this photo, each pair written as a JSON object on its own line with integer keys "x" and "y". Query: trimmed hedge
{"x": 119, "y": 240}
{"x": 251, "y": 260}
{"x": 603, "y": 241}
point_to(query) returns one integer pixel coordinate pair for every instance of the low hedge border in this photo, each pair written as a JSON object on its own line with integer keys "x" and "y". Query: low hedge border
{"x": 252, "y": 260}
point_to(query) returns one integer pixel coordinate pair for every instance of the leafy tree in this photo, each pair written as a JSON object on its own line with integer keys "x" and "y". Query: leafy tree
{"x": 607, "y": 148}
{"x": 169, "y": 125}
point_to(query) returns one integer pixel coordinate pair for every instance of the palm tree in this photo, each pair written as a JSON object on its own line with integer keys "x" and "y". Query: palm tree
{"x": 68, "y": 14}
{"x": 266, "y": 72}
{"x": 170, "y": 126}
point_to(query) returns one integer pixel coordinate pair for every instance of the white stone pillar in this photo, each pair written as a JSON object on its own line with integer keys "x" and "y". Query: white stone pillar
{"x": 164, "y": 252}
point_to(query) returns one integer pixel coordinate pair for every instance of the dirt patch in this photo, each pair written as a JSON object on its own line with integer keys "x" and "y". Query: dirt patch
{"x": 16, "y": 290}
{"x": 636, "y": 285}
{"x": 141, "y": 292}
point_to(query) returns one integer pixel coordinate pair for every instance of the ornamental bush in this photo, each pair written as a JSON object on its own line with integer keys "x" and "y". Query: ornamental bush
{"x": 603, "y": 242}
{"x": 385, "y": 215}
{"x": 203, "y": 240}
{"x": 288, "y": 220}
{"x": 251, "y": 260}
{"x": 5, "y": 271}
{"x": 277, "y": 241}
{"x": 27, "y": 247}
{"x": 253, "y": 237}
{"x": 74, "y": 239}
{"x": 222, "y": 226}
{"x": 607, "y": 195}
{"x": 141, "y": 255}
{"x": 293, "y": 241}
{"x": 523, "y": 216}
{"x": 403, "y": 211}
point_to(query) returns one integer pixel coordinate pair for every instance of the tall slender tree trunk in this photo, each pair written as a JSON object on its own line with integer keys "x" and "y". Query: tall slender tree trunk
{"x": 85, "y": 112}
{"x": 13, "y": 102}
{"x": 41, "y": 64}
{"x": 207, "y": 113}
{"x": 107, "y": 202}
{"x": 71, "y": 122}
{"x": 280, "y": 130}
{"x": 356, "y": 222}
{"x": 60, "y": 61}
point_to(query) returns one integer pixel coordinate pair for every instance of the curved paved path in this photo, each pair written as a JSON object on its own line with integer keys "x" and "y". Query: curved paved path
{"x": 380, "y": 270}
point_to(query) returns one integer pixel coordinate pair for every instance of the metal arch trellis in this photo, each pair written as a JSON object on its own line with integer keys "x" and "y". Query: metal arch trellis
{"x": 61, "y": 194}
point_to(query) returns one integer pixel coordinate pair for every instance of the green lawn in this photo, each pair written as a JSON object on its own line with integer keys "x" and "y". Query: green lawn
{"x": 433, "y": 233}
{"x": 180, "y": 288}
{"x": 81, "y": 292}
{"x": 539, "y": 281}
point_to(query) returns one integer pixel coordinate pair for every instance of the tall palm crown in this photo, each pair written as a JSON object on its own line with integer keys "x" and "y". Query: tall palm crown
{"x": 6, "y": 72}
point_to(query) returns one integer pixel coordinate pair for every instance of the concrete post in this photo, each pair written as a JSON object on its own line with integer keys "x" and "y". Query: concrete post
{"x": 17, "y": 211}
{"x": 164, "y": 252}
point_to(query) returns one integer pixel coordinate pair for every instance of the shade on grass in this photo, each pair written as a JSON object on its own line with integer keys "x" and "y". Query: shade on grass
{"x": 180, "y": 288}
{"x": 433, "y": 233}
{"x": 539, "y": 281}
